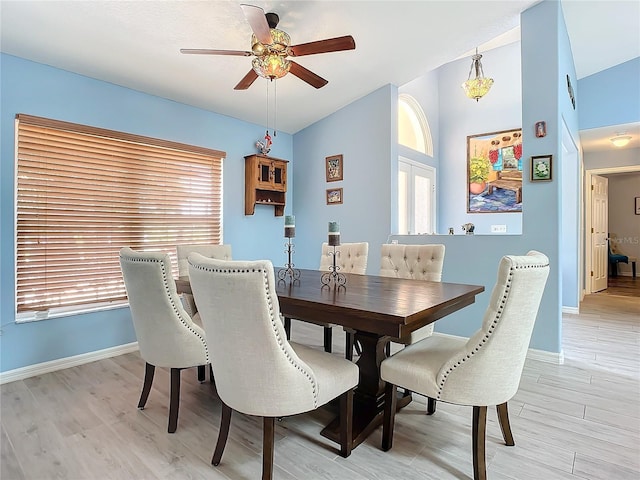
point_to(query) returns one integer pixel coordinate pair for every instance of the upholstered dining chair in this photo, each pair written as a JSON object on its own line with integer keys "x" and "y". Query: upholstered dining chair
{"x": 416, "y": 262}
{"x": 482, "y": 370}
{"x": 222, "y": 252}
{"x": 167, "y": 337}
{"x": 257, "y": 371}
{"x": 352, "y": 258}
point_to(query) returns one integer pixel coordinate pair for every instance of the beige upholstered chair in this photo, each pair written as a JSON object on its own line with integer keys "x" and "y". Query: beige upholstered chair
{"x": 483, "y": 370}
{"x": 166, "y": 335}
{"x": 352, "y": 259}
{"x": 222, "y": 252}
{"x": 417, "y": 262}
{"x": 257, "y": 371}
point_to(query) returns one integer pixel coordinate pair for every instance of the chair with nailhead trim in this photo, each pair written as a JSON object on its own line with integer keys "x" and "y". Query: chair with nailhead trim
{"x": 482, "y": 370}
{"x": 351, "y": 258}
{"x": 167, "y": 337}
{"x": 257, "y": 370}
{"x": 212, "y": 251}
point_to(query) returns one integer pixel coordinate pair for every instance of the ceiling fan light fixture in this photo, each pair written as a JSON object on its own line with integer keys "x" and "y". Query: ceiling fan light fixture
{"x": 478, "y": 87}
{"x": 271, "y": 66}
{"x": 281, "y": 41}
{"x": 620, "y": 140}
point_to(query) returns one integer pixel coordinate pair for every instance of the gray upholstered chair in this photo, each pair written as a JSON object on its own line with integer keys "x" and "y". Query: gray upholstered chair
{"x": 222, "y": 252}
{"x": 351, "y": 259}
{"x": 257, "y": 371}
{"x": 167, "y": 337}
{"x": 482, "y": 370}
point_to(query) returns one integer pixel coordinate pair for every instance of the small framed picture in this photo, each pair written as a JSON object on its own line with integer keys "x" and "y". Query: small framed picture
{"x": 334, "y": 196}
{"x": 541, "y": 129}
{"x": 541, "y": 168}
{"x": 637, "y": 205}
{"x": 334, "y": 168}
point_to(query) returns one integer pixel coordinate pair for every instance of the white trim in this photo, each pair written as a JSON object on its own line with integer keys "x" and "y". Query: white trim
{"x": 532, "y": 354}
{"x": 571, "y": 310}
{"x": 68, "y": 362}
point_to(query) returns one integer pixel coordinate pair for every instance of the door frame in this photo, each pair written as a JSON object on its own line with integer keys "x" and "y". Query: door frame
{"x": 587, "y": 215}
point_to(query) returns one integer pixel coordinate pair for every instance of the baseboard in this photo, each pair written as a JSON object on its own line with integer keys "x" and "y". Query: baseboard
{"x": 572, "y": 310}
{"x": 68, "y": 362}
{"x": 532, "y": 354}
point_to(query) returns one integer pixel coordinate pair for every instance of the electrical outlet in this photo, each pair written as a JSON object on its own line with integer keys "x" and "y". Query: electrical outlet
{"x": 498, "y": 229}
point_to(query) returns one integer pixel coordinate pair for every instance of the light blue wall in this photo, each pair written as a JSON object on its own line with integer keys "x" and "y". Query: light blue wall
{"x": 500, "y": 109}
{"x": 36, "y": 89}
{"x": 365, "y": 133}
{"x": 611, "y": 97}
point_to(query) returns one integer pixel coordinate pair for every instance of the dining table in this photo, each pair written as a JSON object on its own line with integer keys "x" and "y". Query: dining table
{"x": 376, "y": 309}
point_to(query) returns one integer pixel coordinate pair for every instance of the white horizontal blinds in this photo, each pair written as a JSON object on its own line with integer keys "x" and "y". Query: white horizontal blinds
{"x": 84, "y": 193}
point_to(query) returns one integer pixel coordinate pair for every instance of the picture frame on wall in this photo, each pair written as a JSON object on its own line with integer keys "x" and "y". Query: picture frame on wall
{"x": 334, "y": 168}
{"x": 541, "y": 168}
{"x": 334, "y": 196}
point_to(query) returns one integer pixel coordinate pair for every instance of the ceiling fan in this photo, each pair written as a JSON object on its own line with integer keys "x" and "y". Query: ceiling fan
{"x": 271, "y": 49}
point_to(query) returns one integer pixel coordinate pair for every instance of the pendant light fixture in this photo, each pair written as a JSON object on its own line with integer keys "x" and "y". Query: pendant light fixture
{"x": 477, "y": 87}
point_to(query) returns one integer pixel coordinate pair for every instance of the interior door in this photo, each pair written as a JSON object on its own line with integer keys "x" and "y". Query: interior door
{"x": 599, "y": 232}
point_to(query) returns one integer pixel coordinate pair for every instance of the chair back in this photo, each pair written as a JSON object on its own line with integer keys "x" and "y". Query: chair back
{"x": 256, "y": 370}
{"x": 166, "y": 335}
{"x": 418, "y": 262}
{"x": 221, "y": 252}
{"x": 352, "y": 257}
{"x": 487, "y": 370}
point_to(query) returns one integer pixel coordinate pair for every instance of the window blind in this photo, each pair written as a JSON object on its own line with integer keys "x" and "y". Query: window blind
{"x": 83, "y": 193}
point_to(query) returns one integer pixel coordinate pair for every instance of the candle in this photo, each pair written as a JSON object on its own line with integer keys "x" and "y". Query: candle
{"x": 334, "y": 234}
{"x": 289, "y": 226}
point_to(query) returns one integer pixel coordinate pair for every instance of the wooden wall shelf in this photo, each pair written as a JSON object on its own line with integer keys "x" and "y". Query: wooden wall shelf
{"x": 265, "y": 183}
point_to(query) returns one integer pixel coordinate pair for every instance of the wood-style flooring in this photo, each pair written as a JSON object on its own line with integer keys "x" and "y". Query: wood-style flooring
{"x": 579, "y": 420}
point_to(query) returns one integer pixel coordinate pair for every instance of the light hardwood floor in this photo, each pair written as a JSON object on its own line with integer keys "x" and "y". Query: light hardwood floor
{"x": 580, "y": 420}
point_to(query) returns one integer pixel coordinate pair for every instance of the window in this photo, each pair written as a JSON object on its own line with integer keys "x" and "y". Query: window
{"x": 416, "y": 198}
{"x": 413, "y": 128}
{"x": 83, "y": 193}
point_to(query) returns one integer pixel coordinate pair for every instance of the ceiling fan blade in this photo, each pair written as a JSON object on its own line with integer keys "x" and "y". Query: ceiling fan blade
{"x": 324, "y": 46}
{"x": 307, "y": 75}
{"x": 247, "y": 80}
{"x": 258, "y": 22}
{"x": 207, "y": 51}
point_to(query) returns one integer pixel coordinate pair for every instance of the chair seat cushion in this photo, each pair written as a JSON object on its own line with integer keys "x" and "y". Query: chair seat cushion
{"x": 334, "y": 374}
{"x": 416, "y": 366}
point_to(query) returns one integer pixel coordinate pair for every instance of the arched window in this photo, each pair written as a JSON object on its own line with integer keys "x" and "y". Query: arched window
{"x": 413, "y": 128}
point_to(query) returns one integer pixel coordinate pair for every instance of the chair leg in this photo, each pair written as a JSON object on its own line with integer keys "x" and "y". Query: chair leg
{"x": 328, "y": 339}
{"x": 268, "y": 441}
{"x": 348, "y": 346}
{"x": 503, "y": 417}
{"x": 201, "y": 373}
{"x": 478, "y": 440}
{"x": 149, "y": 370}
{"x": 287, "y": 327}
{"x": 346, "y": 423}
{"x": 174, "y": 401}
{"x": 223, "y": 434}
{"x": 211, "y": 373}
{"x": 431, "y": 406}
{"x": 390, "y": 401}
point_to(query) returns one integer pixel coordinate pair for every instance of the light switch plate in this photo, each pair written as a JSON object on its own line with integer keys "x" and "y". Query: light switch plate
{"x": 498, "y": 229}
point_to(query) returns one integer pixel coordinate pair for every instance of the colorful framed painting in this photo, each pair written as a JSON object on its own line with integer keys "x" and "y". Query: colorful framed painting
{"x": 494, "y": 172}
{"x": 334, "y": 196}
{"x": 541, "y": 168}
{"x": 334, "y": 168}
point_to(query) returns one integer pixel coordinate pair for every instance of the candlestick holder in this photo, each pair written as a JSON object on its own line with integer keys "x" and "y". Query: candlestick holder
{"x": 333, "y": 278}
{"x": 289, "y": 273}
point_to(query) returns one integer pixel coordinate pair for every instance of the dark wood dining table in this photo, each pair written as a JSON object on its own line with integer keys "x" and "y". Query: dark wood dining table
{"x": 377, "y": 309}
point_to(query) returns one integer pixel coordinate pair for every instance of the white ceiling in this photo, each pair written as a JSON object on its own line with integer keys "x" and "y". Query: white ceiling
{"x": 136, "y": 44}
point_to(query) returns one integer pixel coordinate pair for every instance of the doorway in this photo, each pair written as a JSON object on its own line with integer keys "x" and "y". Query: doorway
{"x": 588, "y": 207}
